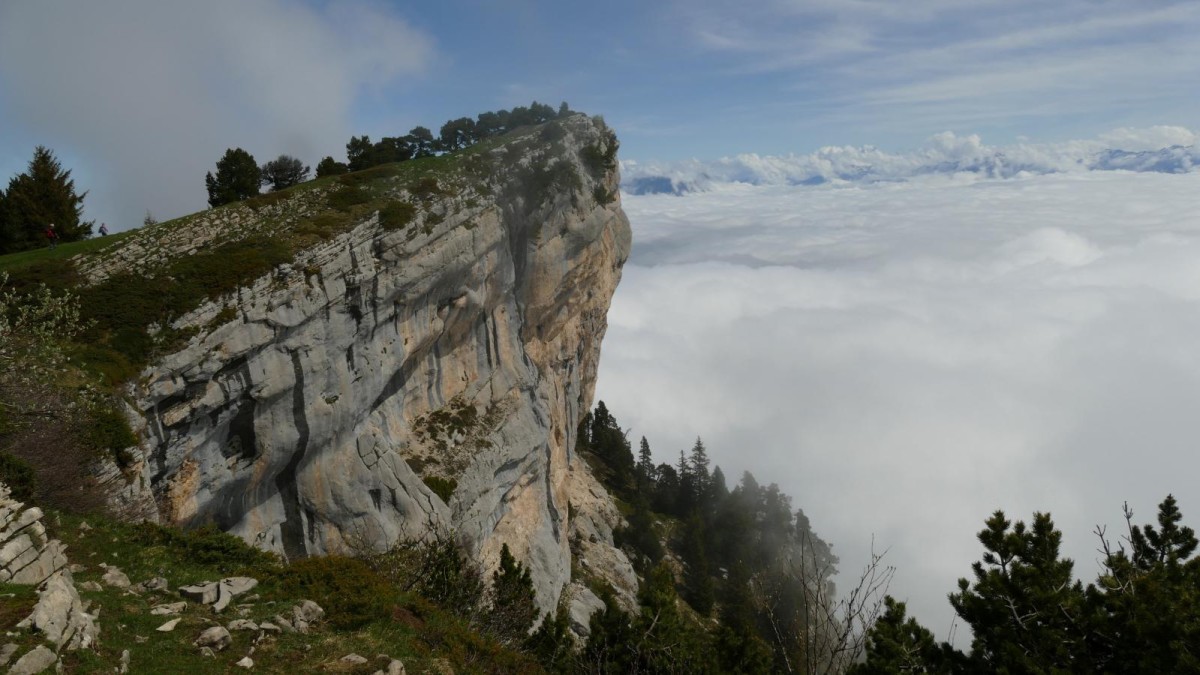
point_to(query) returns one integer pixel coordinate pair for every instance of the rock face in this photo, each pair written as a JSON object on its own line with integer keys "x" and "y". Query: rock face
{"x": 315, "y": 408}
{"x": 27, "y": 555}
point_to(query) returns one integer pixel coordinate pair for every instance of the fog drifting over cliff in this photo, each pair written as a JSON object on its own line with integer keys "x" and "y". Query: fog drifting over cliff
{"x": 906, "y": 357}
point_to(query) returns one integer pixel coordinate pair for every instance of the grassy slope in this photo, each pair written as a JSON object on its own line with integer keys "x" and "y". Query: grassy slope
{"x": 123, "y": 309}
{"x": 404, "y": 627}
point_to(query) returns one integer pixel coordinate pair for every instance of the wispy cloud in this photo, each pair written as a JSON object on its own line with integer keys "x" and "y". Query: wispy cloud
{"x": 958, "y": 61}
{"x": 149, "y": 94}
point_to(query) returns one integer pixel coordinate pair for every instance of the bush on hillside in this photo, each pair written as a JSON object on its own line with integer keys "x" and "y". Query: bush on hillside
{"x": 350, "y": 592}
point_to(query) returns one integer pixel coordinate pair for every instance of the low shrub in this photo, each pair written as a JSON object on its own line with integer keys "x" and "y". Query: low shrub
{"x": 206, "y": 546}
{"x": 442, "y": 487}
{"x": 347, "y": 198}
{"x": 109, "y": 432}
{"x": 19, "y": 476}
{"x": 436, "y": 568}
{"x": 396, "y": 215}
{"x": 350, "y": 592}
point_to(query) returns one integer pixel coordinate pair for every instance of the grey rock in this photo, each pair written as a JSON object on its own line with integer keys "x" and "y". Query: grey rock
{"x": 155, "y": 584}
{"x": 91, "y": 586}
{"x": 124, "y": 667}
{"x": 331, "y": 383}
{"x": 7, "y": 652}
{"x": 308, "y": 611}
{"x": 59, "y": 614}
{"x": 115, "y": 578}
{"x": 353, "y": 659}
{"x": 245, "y": 662}
{"x": 35, "y": 661}
{"x": 168, "y": 626}
{"x": 168, "y": 608}
{"x": 395, "y": 667}
{"x": 285, "y": 624}
{"x": 584, "y": 603}
{"x": 268, "y": 627}
{"x": 242, "y": 624}
{"x": 216, "y": 638}
{"x": 203, "y": 593}
{"x": 218, "y": 593}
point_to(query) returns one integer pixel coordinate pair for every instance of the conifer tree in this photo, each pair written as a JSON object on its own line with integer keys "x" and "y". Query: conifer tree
{"x": 331, "y": 167}
{"x": 43, "y": 195}
{"x": 513, "y": 609}
{"x": 237, "y": 178}
{"x": 898, "y": 644}
{"x": 697, "y": 577}
{"x": 645, "y": 468}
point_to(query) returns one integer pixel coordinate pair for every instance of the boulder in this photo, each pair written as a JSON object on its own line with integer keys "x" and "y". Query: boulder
{"x": 35, "y": 661}
{"x": 215, "y": 638}
{"x": 59, "y": 615}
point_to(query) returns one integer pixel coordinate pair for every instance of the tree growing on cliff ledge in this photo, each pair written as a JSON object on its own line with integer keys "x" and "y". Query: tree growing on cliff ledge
{"x": 238, "y": 177}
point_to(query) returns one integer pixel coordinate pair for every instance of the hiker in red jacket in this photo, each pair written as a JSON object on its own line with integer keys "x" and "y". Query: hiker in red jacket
{"x": 52, "y": 235}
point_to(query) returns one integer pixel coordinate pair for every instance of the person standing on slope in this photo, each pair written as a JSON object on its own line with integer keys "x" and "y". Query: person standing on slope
{"x": 52, "y": 235}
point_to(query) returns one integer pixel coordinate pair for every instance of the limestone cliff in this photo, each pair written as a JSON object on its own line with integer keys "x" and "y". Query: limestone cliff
{"x": 449, "y": 338}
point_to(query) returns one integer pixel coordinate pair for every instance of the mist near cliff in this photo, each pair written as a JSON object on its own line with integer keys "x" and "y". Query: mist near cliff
{"x": 904, "y": 357}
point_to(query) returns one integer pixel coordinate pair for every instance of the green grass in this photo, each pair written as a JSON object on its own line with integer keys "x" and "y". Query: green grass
{"x": 401, "y": 625}
{"x": 16, "y": 261}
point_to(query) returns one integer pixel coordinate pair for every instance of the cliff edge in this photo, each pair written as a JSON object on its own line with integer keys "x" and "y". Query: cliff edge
{"x": 420, "y": 360}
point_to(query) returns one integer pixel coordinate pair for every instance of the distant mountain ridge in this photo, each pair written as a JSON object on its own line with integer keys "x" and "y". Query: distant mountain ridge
{"x": 1159, "y": 150}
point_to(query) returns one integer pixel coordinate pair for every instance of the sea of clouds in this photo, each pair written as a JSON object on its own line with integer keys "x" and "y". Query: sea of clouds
{"x": 1162, "y": 149}
{"x": 906, "y": 355}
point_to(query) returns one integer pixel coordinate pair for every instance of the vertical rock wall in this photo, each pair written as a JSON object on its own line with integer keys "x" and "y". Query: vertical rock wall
{"x": 315, "y": 408}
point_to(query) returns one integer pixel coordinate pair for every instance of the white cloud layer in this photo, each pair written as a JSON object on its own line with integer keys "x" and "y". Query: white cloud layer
{"x": 146, "y": 95}
{"x": 905, "y": 358}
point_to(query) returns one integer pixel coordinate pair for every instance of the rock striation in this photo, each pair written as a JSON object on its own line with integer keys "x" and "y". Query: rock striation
{"x": 390, "y": 380}
{"x": 27, "y": 555}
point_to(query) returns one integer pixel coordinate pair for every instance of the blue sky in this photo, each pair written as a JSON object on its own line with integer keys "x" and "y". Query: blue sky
{"x": 142, "y": 97}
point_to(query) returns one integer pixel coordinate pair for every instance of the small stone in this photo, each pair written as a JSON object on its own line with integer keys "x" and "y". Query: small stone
{"x": 246, "y": 662}
{"x": 140, "y": 639}
{"x": 308, "y": 611}
{"x": 396, "y": 667}
{"x": 216, "y": 637}
{"x": 354, "y": 659}
{"x": 284, "y": 624}
{"x": 206, "y": 651}
{"x": 268, "y": 627}
{"x": 155, "y": 584}
{"x": 115, "y": 578}
{"x": 76, "y": 568}
{"x": 125, "y": 661}
{"x": 242, "y": 624}
{"x": 91, "y": 586}
{"x": 168, "y": 626}
{"x": 84, "y": 527}
{"x": 169, "y": 608}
